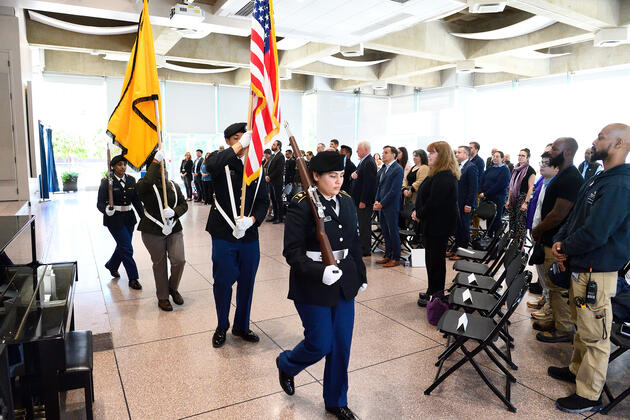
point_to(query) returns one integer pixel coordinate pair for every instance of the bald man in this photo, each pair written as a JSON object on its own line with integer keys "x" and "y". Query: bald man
{"x": 560, "y": 196}
{"x": 595, "y": 243}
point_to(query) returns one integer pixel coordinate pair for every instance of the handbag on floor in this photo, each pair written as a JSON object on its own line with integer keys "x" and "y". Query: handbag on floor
{"x": 436, "y": 306}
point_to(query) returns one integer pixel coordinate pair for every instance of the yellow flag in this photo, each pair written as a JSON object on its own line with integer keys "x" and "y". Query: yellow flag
{"x": 132, "y": 125}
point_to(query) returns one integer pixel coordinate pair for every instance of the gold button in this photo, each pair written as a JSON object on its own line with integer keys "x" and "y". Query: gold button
{"x": 340, "y": 226}
{"x": 338, "y": 261}
{"x": 340, "y": 239}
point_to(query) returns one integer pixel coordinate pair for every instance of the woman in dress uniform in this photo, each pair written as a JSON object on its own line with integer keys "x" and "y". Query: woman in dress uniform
{"x": 323, "y": 296}
{"x": 162, "y": 231}
{"x": 120, "y": 219}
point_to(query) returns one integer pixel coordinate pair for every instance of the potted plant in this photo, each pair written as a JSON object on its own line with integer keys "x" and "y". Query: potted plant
{"x": 69, "y": 146}
{"x": 69, "y": 180}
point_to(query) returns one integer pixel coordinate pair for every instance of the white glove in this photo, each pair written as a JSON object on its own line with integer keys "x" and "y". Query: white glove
{"x": 244, "y": 223}
{"x": 109, "y": 211}
{"x": 168, "y": 227}
{"x": 237, "y": 233}
{"x": 331, "y": 275}
{"x": 168, "y": 213}
{"x": 245, "y": 139}
{"x": 159, "y": 156}
{"x": 363, "y": 287}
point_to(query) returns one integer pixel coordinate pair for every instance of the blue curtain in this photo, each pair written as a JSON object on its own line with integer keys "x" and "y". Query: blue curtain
{"x": 53, "y": 182}
{"x": 43, "y": 178}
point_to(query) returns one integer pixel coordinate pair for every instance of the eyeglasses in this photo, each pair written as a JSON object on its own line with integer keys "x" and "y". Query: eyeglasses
{"x": 522, "y": 156}
{"x": 544, "y": 164}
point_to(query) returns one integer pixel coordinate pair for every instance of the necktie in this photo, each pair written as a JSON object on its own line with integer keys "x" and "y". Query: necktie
{"x": 329, "y": 203}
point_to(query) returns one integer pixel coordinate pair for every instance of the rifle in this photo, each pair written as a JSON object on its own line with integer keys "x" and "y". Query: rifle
{"x": 313, "y": 198}
{"x": 110, "y": 179}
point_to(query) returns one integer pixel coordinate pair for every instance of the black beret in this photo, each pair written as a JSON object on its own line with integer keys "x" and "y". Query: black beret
{"x": 235, "y": 129}
{"x": 326, "y": 161}
{"x": 116, "y": 159}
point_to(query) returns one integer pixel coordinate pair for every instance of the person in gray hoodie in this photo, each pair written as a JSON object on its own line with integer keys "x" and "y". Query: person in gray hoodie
{"x": 594, "y": 244}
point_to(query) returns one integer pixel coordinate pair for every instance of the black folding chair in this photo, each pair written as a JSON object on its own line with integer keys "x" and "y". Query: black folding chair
{"x": 488, "y": 283}
{"x": 484, "y": 331}
{"x": 499, "y": 242}
{"x": 486, "y": 211}
{"x": 623, "y": 344}
{"x": 486, "y": 269}
{"x": 377, "y": 234}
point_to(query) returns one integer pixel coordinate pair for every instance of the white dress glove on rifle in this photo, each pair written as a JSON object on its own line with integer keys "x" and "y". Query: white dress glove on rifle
{"x": 169, "y": 213}
{"x": 109, "y": 211}
{"x": 245, "y": 139}
{"x": 331, "y": 275}
{"x": 168, "y": 227}
{"x": 244, "y": 223}
{"x": 363, "y": 287}
{"x": 237, "y": 233}
{"x": 159, "y": 156}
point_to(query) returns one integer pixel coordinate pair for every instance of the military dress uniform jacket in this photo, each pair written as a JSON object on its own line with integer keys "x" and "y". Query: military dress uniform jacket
{"x": 123, "y": 196}
{"x": 305, "y": 278}
{"x": 146, "y": 192}
{"x": 216, "y": 225}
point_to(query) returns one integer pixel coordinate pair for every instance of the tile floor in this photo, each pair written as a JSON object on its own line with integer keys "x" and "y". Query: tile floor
{"x": 163, "y": 365}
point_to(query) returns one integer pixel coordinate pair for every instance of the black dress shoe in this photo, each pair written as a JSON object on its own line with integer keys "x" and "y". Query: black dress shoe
{"x": 218, "y": 338}
{"x": 246, "y": 335}
{"x": 423, "y": 298}
{"x": 286, "y": 381}
{"x": 177, "y": 298}
{"x": 343, "y": 413}
{"x": 113, "y": 272}
{"x": 135, "y": 284}
{"x": 277, "y": 221}
{"x": 575, "y": 404}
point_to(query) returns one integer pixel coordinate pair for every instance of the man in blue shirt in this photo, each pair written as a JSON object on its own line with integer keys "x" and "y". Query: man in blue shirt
{"x": 594, "y": 244}
{"x": 589, "y": 168}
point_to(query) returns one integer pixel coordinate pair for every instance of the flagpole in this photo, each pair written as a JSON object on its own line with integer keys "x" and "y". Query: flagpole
{"x": 110, "y": 179}
{"x": 159, "y": 133}
{"x": 249, "y": 127}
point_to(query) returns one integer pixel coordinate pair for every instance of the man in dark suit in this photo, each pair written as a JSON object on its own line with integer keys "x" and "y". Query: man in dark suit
{"x": 197, "y": 176}
{"x": 349, "y": 168}
{"x": 388, "y": 198}
{"x": 289, "y": 174}
{"x": 363, "y": 193}
{"x": 275, "y": 175}
{"x": 589, "y": 168}
{"x": 466, "y": 197}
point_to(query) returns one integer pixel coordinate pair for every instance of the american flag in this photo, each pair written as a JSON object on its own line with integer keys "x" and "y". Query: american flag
{"x": 264, "y": 85}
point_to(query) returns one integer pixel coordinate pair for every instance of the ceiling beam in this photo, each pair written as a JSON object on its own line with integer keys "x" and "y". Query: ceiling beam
{"x": 336, "y": 72}
{"x": 588, "y": 57}
{"x": 589, "y": 15}
{"x": 306, "y": 54}
{"x": 431, "y": 40}
{"x": 514, "y": 65}
{"x": 425, "y": 81}
{"x": 164, "y": 38}
{"x": 552, "y": 36}
{"x": 404, "y": 66}
{"x": 345, "y": 85}
{"x": 215, "y": 49}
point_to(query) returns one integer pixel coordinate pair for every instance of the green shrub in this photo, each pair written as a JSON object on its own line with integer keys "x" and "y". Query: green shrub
{"x": 69, "y": 177}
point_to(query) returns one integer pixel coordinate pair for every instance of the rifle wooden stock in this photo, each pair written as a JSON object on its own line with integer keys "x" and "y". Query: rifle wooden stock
{"x": 110, "y": 179}
{"x": 307, "y": 185}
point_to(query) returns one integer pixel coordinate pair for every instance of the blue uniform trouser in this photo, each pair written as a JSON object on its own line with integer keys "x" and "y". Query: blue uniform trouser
{"x": 234, "y": 262}
{"x": 500, "y": 202}
{"x": 123, "y": 252}
{"x": 462, "y": 235}
{"x": 327, "y": 332}
{"x": 389, "y": 225}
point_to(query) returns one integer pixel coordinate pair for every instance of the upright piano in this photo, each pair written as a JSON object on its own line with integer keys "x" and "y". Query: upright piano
{"x": 36, "y": 310}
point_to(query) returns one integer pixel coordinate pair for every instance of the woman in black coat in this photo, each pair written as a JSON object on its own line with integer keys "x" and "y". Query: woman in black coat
{"x": 436, "y": 210}
{"x": 186, "y": 170}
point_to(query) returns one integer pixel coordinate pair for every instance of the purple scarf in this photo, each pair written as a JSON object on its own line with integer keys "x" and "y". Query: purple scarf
{"x": 515, "y": 183}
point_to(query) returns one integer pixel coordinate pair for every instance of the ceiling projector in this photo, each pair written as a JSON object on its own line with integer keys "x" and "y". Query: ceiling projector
{"x": 186, "y": 14}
